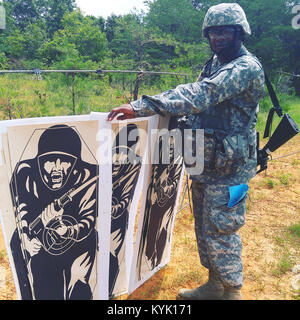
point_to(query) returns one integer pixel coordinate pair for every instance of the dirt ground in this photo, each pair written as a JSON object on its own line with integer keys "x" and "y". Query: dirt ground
{"x": 269, "y": 251}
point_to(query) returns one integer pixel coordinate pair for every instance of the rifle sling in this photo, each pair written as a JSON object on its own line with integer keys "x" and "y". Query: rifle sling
{"x": 276, "y": 108}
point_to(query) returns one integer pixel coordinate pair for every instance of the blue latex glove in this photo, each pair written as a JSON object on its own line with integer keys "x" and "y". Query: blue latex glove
{"x": 237, "y": 194}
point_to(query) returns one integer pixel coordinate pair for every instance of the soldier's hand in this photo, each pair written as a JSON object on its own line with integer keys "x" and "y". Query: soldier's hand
{"x": 33, "y": 246}
{"x": 62, "y": 230}
{"x": 50, "y": 213}
{"x": 123, "y": 112}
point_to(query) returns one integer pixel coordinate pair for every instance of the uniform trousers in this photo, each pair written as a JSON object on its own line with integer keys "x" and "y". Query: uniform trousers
{"x": 216, "y": 226}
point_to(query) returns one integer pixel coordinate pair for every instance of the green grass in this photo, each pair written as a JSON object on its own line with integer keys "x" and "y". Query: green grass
{"x": 270, "y": 183}
{"x": 295, "y": 110}
{"x": 295, "y": 231}
{"x": 3, "y": 255}
{"x": 23, "y": 96}
{"x": 26, "y": 97}
{"x": 290, "y": 105}
{"x": 285, "y": 241}
{"x": 284, "y": 265}
{"x": 285, "y": 179}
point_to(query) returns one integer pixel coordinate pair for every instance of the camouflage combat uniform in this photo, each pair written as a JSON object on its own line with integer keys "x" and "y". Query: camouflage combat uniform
{"x": 223, "y": 102}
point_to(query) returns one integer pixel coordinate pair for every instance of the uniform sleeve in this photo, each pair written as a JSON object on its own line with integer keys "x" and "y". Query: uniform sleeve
{"x": 24, "y": 197}
{"x": 87, "y": 213}
{"x": 231, "y": 80}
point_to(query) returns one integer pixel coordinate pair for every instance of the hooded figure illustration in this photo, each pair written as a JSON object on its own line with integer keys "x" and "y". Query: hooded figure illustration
{"x": 55, "y": 199}
{"x": 125, "y": 173}
{"x": 160, "y": 206}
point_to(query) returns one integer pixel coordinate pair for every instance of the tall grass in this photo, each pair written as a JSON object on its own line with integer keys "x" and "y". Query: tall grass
{"x": 24, "y": 96}
{"x": 289, "y": 103}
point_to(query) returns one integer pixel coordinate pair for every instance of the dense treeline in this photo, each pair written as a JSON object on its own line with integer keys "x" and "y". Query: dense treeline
{"x": 55, "y": 34}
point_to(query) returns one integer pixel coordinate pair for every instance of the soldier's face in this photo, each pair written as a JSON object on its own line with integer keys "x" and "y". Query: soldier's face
{"x": 55, "y": 168}
{"x": 221, "y": 38}
{"x": 57, "y": 172}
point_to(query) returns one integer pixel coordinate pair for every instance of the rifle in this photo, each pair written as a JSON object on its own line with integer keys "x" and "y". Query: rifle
{"x": 285, "y": 131}
{"x": 37, "y": 225}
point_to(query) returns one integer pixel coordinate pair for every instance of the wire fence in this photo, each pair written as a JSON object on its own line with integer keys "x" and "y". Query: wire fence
{"x": 289, "y": 74}
{"x": 98, "y": 71}
{"x": 140, "y": 76}
{"x": 285, "y": 156}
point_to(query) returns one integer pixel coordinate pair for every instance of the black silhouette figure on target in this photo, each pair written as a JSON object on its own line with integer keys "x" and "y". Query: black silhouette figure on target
{"x": 125, "y": 173}
{"x": 55, "y": 199}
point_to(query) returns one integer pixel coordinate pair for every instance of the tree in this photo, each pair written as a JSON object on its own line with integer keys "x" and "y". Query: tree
{"x": 273, "y": 39}
{"x": 143, "y": 47}
{"x": 14, "y": 44}
{"x": 169, "y": 35}
{"x": 47, "y": 12}
{"x": 176, "y": 17}
{"x": 34, "y": 38}
{"x": 23, "y": 12}
{"x": 78, "y": 33}
{"x": 54, "y": 11}
{"x": 110, "y": 25}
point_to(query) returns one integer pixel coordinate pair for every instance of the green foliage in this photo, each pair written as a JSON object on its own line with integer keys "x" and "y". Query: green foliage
{"x": 3, "y": 61}
{"x": 192, "y": 56}
{"x": 79, "y": 40}
{"x": 176, "y": 17}
{"x": 56, "y": 35}
{"x": 144, "y": 47}
{"x": 84, "y": 32}
{"x": 15, "y": 44}
{"x": 46, "y": 12}
{"x": 169, "y": 36}
{"x": 270, "y": 183}
{"x": 284, "y": 265}
{"x": 295, "y": 230}
{"x": 285, "y": 179}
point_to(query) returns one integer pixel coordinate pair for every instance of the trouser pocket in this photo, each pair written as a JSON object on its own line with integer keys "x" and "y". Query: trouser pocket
{"x": 227, "y": 220}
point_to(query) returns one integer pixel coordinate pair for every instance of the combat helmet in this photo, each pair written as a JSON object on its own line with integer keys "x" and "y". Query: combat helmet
{"x": 60, "y": 138}
{"x": 59, "y": 151}
{"x": 226, "y": 14}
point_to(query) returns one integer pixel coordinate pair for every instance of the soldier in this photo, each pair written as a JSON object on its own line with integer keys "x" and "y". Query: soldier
{"x": 59, "y": 243}
{"x": 223, "y": 102}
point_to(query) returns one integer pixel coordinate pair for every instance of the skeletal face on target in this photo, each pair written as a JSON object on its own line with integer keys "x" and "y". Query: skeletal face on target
{"x": 55, "y": 168}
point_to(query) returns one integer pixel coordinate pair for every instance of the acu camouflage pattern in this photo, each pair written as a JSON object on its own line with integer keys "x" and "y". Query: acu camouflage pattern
{"x": 216, "y": 227}
{"x": 232, "y": 154}
{"x": 226, "y": 14}
{"x": 229, "y": 93}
